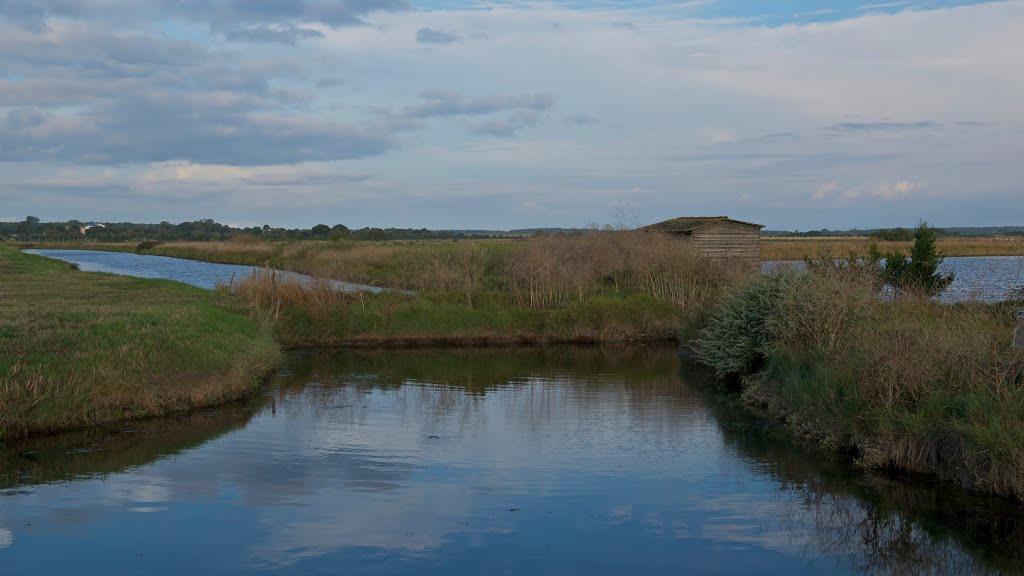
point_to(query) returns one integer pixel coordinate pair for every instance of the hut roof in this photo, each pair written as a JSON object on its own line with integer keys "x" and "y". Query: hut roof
{"x": 690, "y": 223}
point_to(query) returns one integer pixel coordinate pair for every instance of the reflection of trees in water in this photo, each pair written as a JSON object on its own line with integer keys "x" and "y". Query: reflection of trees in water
{"x": 533, "y": 386}
{"x": 113, "y": 448}
{"x": 865, "y": 523}
{"x": 869, "y": 523}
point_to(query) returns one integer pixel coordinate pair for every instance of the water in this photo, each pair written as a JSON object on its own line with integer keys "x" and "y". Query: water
{"x": 202, "y": 274}
{"x": 554, "y": 461}
{"x": 985, "y": 278}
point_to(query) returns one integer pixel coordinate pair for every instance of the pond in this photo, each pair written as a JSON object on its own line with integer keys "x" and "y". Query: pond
{"x": 539, "y": 461}
{"x": 197, "y": 273}
{"x": 984, "y": 278}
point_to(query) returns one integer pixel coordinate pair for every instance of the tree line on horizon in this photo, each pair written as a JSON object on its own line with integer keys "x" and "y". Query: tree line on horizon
{"x": 33, "y": 230}
{"x": 900, "y": 234}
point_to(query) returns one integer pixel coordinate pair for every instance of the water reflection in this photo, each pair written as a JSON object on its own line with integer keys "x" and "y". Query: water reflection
{"x": 872, "y": 523}
{"x": 555, "y": 461}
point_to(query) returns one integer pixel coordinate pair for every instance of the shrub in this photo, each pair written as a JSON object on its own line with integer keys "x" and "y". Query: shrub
{"x": 739, "y": 335}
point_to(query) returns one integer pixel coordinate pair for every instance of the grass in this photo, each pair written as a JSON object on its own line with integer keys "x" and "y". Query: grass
{"x": 788, "y": 248}
{"x": 907, "y": 383}
{"x": 607, "y": 286}
{"x": 306, "y": 315}
{"x": 80, "y": 348}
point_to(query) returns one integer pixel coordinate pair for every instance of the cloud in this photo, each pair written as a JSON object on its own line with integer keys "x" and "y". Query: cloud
{"x": 431, "y": 36}
{"x": 511, "y": 125}
{"x": 281, "y": 34}
{"x": 897, "y": 189}
{"x": 221, "y": 15}
{"x": 824, "y": 190}
{"x": 581, "y": 120}
{"x": 884, "y": 126}
{"x": 194, "y": 127}
{"x": 888, "y": 190}
{"x": 440, "y": 104}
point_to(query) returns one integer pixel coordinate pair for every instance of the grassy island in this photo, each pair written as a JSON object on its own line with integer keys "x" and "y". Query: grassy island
{"x": 81, "y": 348}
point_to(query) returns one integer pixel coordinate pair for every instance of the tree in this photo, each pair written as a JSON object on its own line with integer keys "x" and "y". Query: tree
{"x": 320, "y": 230}
{"x": 919, "y": 273}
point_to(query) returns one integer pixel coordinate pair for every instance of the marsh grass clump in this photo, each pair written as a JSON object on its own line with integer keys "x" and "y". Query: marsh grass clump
{"x": 909, "y": 383}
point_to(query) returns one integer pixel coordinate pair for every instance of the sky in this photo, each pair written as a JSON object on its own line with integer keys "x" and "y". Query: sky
{"x": 794, "y": 114}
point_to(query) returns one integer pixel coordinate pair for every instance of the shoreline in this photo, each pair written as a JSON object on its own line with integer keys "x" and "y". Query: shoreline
{"x": 80, "y": 348}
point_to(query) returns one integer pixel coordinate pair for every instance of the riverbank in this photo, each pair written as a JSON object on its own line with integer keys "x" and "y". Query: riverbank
{"x": 79, "y": 348}
{"x": 907, "y": 384}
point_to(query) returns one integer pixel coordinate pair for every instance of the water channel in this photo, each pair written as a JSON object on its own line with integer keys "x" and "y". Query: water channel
{"x": 197, "y": 273}
{"x": 539, "y": 461}
{"x": 543, "y": 461}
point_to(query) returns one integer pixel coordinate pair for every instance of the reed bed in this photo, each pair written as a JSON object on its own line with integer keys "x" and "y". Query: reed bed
{"x": 602, "y": 286}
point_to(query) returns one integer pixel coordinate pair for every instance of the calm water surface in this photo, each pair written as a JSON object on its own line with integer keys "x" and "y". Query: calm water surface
{"x": 556, "y": 461}
{"x": 202, "y": 274}
{"x": 986, "y": 278}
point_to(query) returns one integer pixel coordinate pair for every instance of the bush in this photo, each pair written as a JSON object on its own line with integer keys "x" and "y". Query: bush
{"x": 738, "y": 337}
{"x": 911, "y": 383}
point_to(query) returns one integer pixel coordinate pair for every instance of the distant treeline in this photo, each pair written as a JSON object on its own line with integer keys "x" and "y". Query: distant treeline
{"x": 901, "y": 234}
{"x": 32, "y": 229}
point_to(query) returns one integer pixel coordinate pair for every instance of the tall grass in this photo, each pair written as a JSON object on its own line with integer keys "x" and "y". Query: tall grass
{"x": 594, "y": 287}
{"x": 550, "y": 271}
{"x": 911, "y": 383}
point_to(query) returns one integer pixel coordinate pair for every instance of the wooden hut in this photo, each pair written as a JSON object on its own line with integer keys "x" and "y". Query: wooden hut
{"x": 717, "y": 237}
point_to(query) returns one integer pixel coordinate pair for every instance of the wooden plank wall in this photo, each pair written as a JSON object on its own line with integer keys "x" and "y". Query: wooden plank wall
{"x": 727, "y": 240}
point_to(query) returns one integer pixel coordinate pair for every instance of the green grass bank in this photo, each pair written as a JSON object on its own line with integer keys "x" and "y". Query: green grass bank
{"x": 79, "y": 348}
{"x": 901, "y": 383}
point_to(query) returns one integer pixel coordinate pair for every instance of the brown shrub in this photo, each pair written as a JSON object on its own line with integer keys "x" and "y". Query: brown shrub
{"x": 552, "y": 270}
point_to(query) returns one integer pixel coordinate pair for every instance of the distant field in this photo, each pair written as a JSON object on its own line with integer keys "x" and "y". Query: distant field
{"x": 794, "y": 248}
{"x": 368, "y": 262}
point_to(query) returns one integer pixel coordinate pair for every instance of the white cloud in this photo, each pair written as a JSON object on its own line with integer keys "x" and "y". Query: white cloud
{"x": 896, "y": 190}
{"x": 824, "y": 190}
